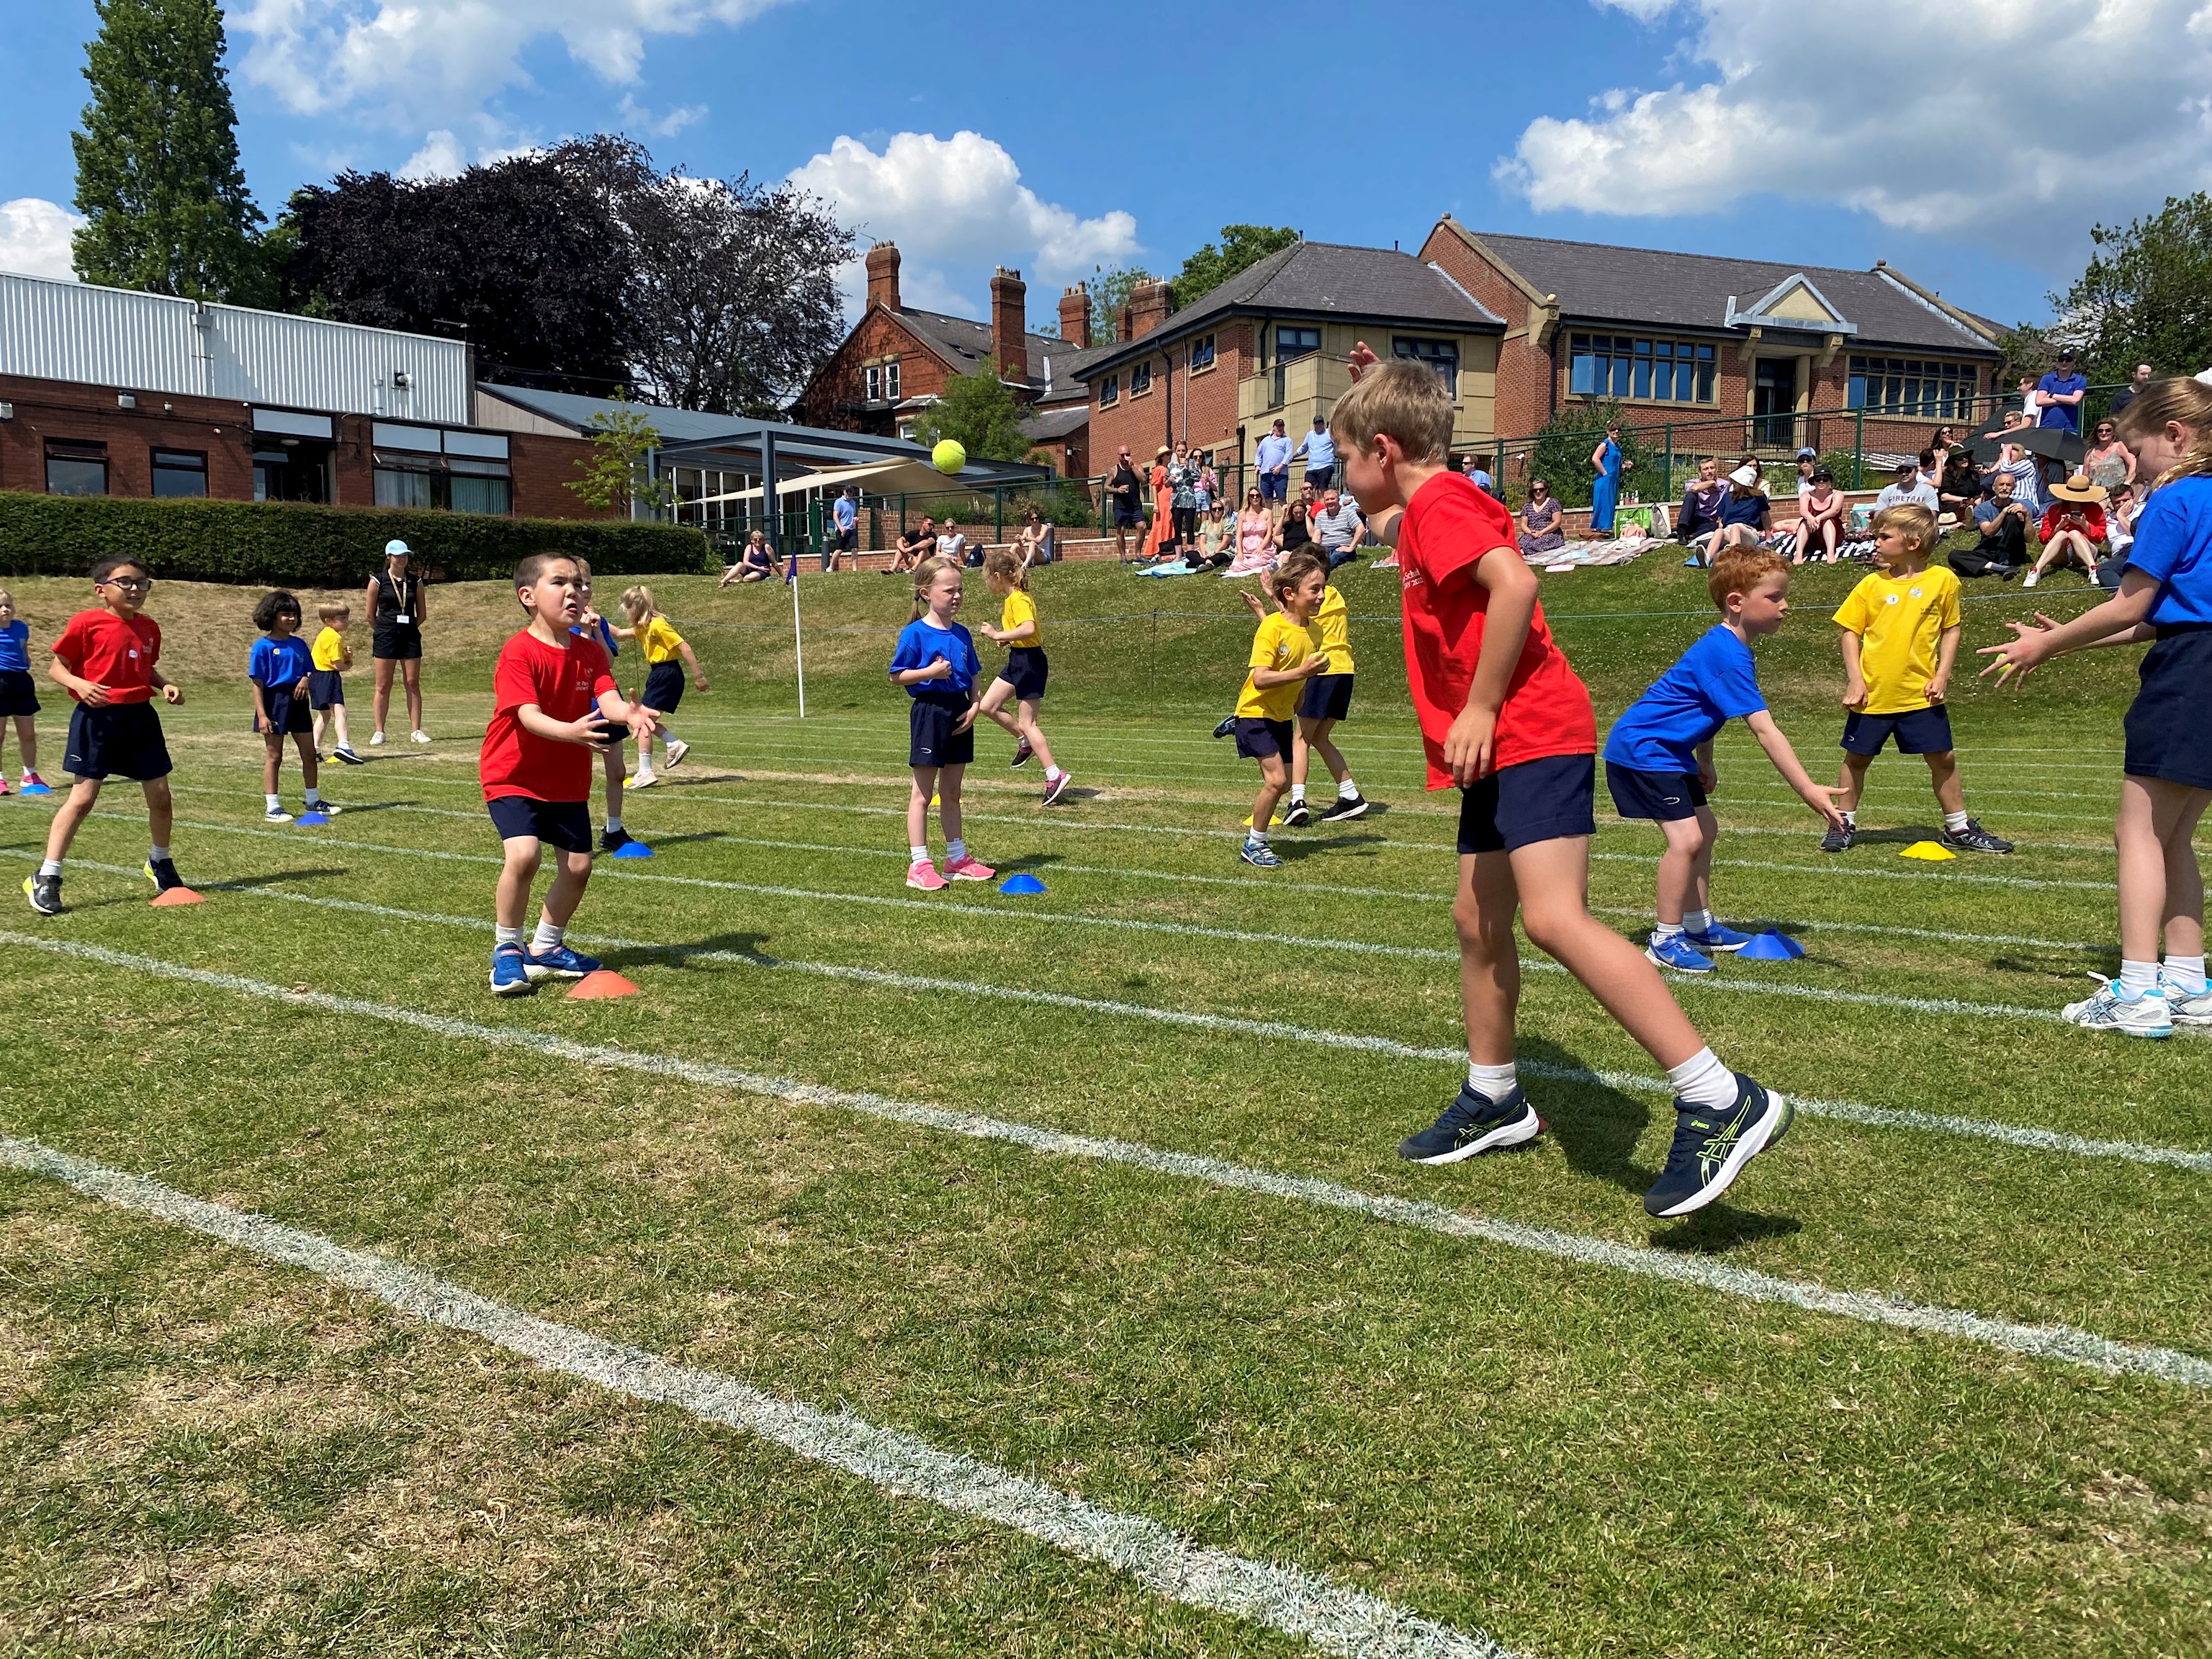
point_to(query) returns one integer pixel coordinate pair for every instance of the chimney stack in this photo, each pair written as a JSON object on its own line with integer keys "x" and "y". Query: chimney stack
{"x": 1075, "y": 317}
{"x": 882, "y": 263}
{"x": 1148, "y": 308}
{"x": 1010, "y": 324}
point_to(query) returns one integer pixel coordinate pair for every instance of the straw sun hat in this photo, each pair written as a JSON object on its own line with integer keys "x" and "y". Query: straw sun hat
{"x": 2078, "y": 489}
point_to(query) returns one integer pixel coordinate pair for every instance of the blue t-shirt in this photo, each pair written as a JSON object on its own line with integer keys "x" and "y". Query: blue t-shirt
{"x": 2173, "y": 543}
{"x": 280, "y": 665}
{"x": 1743, "y": 509}
{"x": 1319, "y": 449}
{"x": 921, "y": 642}
{"x": 1714, "y": 683}
{"x": 15, "y": 647}
{"x": 2067, "y": 415}
{"x": 845, "y": 512}
{"x": 606, "y": 637}
{"x": 1274, "y": 453}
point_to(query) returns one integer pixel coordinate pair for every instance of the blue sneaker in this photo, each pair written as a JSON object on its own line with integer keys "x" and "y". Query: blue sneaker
{"x": 1719, "y": 938}
{"x": 1472, "y": 1124}
{"x": 1710, "y": 1148}
{"x": 1256, "y": 851}
{"x": 509, "y": 978}
{"x": 1677, "y": 951}
{"x": 559, "y": 962}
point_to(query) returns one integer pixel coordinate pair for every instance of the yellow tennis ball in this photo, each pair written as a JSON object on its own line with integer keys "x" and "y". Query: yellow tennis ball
{"x": 948, "y": 457}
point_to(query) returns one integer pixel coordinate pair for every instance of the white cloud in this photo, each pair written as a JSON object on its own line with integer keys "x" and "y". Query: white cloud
{"x": 2027, "y": 118}
{"x": 633, "y": 114}
{"x": 35, "y": 237}
{"x": 443, "y": 155}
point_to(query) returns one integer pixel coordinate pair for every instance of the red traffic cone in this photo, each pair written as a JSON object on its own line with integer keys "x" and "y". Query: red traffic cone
{"x": 603, "y": 983}
{"x": 179, "y": 896}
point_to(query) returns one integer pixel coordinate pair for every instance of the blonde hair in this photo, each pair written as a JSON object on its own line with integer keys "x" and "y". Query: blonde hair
{"x": 924, "y": 575}
{"x": 1916, "y": 520}
{"x": 1000, "y": 564}
{"x": 328, "y": 613}
{"x": 1738, "y": 570}
{"x": 2183, "y": 402}
{"x": 1295, "y": 569}
{"x": 1403, "y": 398}
{"x": 7, "y": 598}
{"x": 637, "y": 603}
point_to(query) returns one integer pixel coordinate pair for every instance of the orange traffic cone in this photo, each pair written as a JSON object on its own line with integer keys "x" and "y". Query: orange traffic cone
{"x": 603, "y": 983}
{"x": 179, "y": 896}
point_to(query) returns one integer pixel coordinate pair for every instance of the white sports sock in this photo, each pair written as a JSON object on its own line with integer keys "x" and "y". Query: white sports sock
{"x": 955, "y": 850}
{"x": 273, "y": 802}
{"x": 1346, "y": 789}
{"x": 1492, "y": 1082}
{"x": 547, "y": 938}
{"x": 614, "y": 824}
{"x": 2187, "y": 973}
{"x": 314, "y": 795}
{"x": 1297, "y": 792}
{"x": 1702, "y": 1080}
{"x": 917, "y": 854}
{"x": 1954, "y": 822}
{"x": 1663, "y": 931}
{"x": 1257, "y": 834}
{"x": 507, "y": 935}
{"x": 1697, "y": 921}
{"x": 1051, "y": 772}
{"x": 2137, "y": 977}
{"x": 1850, "y": 817}
{"x": 160, "y": 852}
{"x": 50, "y": 867}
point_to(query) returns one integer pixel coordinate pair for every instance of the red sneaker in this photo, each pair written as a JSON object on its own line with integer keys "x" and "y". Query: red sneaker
{"x": 924, "y": 875}
{"x": 969, "y": 870}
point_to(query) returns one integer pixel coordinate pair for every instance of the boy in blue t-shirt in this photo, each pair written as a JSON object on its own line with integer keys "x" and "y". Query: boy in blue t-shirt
{"x": 1659, "y": 754}
{"x": 279, "y": 667}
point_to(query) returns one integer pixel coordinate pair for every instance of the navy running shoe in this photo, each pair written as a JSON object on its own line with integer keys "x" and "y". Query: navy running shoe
{"x": 162, "y": 872}
{"x": 559, "y": 962}
{"x": 1297, "y": 816}
{"x": 1473, "y": 1124}
{"x": 509, "y": 977}
{"x": 1226, "y": 727}
{"x": 1710, "y": 1148}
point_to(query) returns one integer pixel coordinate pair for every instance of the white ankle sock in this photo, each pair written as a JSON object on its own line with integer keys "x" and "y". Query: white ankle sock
{"x": 507, "y": 935}
{"x": 1697, "y": 921}
{"x": 1850, "y": 817}
{"x": 1702, "y": 1080}
{"x": 1051, "y": 772}
{"x": 2187, "y": 973}
{"x": 955, "y": 850}
{"x": 1297, "y": 792}
{"x": 547, "y": 938}
{"x": 273, "y": 802}
{"x": 614, "y": 825}
{"x": 917, "y": 854}
{"x": 50, "y": 867}
{"x": 160, "y": 852}
{"x": 1663, "y": 931}
{"x": 1954, "y": 822}
{"x": 1492, "y": 1082}
{"x": 2136, "y": 977}
{"x": 314, "y": 796}
{"x": 1347, "y": 790}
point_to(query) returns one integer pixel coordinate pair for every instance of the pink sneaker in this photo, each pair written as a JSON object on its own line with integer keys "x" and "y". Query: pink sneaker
{"x": 969, "y": 870}
{"x": 924, "y": 875}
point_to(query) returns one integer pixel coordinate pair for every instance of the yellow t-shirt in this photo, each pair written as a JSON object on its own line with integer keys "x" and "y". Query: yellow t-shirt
{"x": 1279, "y": 644}
{"x": 329, "y": 649}
{"x": 1019, "y": 610}
{"x": 658, "y": 640}
{"x": 1900, "y": 620}
{"x": 1330, "y": 623}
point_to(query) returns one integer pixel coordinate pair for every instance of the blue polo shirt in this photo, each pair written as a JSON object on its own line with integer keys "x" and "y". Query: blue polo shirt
{"x": 2067, "y": 415}
{"x": 1274, "y": 453}
{"x": 2173, "y": 543}
{"x": 920, "y": 642}
{"x": 1713, "y": 683}
{"x": 15, "y": 647}
{"x": 279, "y": 664}
{"x": 845, "y": 513}
{"x": 1319, "y": 449}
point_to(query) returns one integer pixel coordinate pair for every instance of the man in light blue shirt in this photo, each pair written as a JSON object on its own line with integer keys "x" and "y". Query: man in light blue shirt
{"x": 1320, "y": 451}
{"x": 1274, "y": 466}
{"x": 845, "y": 515}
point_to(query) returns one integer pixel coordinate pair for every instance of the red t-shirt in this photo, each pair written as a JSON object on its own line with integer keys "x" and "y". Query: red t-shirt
{"x": 564, "y": 681}
{"x": 116, "y": 651}
{"x": 1449, "y": 525}
{"x": 2087, "y": 517}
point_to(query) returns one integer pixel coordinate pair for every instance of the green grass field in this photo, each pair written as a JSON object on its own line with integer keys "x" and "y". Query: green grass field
{"x": 1097, "y": 1189}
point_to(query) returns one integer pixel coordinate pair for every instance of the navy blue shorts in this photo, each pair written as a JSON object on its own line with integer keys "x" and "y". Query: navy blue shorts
{"x": 931, "y": 741}
{"x": 1257, "y": 739}
{"x": 1275, "y": 486}
{"x": 1517, "y": 806}
{"x": 1025, "y": 670}
{"x": 326, "y": 689}
{"x": 123, "y": 740}
{"x": 565, "y": 824}
{"x": 1919, "y": 732}
{"x": 1320, "y": 477}
{"x": 664, "y": 687}
{"x": 287, "y": 714}
{"x": 1327, "y": 697}
{"x": 19, "y": 694}
{"x": 1663, "y": 796}
{"x": 1125, "y": 515}
{"x": 2168, "y": 737}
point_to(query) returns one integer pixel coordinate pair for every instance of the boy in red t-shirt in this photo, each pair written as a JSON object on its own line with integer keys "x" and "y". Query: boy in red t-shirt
{"x": 555, "y": 705}
{"x": 105, "y": 660}
{"x": 1504, "y": 717}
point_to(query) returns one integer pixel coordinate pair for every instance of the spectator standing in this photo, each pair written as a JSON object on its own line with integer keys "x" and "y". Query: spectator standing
{"x": 394, "y": 602}
{"x": 1207, "y": 487}
{"x": 845, "y": 525}
{"x": 1320, "y": 451}
{"x": 1256, "y": 528}
{"x": 1163, "y": 529}
{"x": 1182, "y": 496}
{"x": 1540, "y": 530}
{"x": 1336, "y": 526}
{"x": 1273, "y": 463}
{"x": 2063, "y": 391}
{"x": 2109, "y": 462}
{"x": 1123, "y": 487}
{"x": 1605, "y": 490}
{"x": 2128, "y": 393}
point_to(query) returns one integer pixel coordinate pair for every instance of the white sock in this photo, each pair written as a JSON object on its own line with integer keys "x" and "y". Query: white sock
{"x": 917, "y": 854}
{"x": 1850, "y": 817}
{"x": 314, "y": 796}
{"x": 955, "y": 850}
{"x": 1697, "y": 921}
{"x": 1256, "y": 834}
{"x": 2187, "y": 973}
{"x": 1663, "y": 931}
{"x": 160, "y": 852}
{"x": 547, "y": 938}
{"x": 1954, "y": 822}
{"x": 1346, "y": 789}
{"x": 273, "y": 802}
{"x": 1492, "y": 1082}
{"x": 507, "y": 935}
{"x": 1702, "y": 1080}
{"x": 1051, "y": 772}
{"x": 1297, "y": 792}
{"x": 51, "y": 867}
{"x": 644, "y": 763}
{"x": 2137, "y": 977}
{"x": 614, "y": 824}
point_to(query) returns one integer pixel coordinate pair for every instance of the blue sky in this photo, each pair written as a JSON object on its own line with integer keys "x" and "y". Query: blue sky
{"x": 1056, "y": 138}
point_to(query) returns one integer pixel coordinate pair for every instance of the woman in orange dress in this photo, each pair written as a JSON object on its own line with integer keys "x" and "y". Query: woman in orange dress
{"x": 1162, "y": 530}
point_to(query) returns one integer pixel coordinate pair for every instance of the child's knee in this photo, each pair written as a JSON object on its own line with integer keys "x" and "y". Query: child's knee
{"x": 522, "y": 852}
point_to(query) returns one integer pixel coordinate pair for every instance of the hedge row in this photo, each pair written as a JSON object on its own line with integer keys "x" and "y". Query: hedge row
{"x": 291, "y": 545}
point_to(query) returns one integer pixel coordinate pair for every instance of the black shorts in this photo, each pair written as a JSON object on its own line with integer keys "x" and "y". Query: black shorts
{"x": 326, "y": 689}
{"x": 1327, "y": 697}
{"x": 846, "y": 541}
{"x": 2167, "y": 735}
{"x": 1025, "y": 670}
{"x": 287, "y": 714}
{"x": 1919, "y": 732}
{"x": 390, "y": 642}
{"x": 123, "y": 740}
{"x": 565, "y": 824}
{"x": 1662, "y": 796}
{"x": 931, "y": 741}
{"x": 19, "y": 694}
{"x": 1517, "y": 806}
{"x": 1320, "y": 477}
{"x": 1125, "y": 515}
{"x": 1257, "y": 739}
{"x": 664, "y": 687}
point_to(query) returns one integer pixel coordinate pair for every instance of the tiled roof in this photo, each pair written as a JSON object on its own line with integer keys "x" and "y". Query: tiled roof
{"x": 967, "y": 342}
{"x": 1057, "y": 421}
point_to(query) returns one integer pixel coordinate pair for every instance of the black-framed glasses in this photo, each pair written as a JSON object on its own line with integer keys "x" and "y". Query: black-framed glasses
{"x": 129, "y": 584}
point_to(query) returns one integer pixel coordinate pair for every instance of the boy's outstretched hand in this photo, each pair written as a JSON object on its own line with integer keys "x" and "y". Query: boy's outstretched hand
{"x": 1821, "y": 798}
{"x": 2024, "y": 652}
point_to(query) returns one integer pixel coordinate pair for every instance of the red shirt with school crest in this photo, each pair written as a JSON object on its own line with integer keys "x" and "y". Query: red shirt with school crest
{"x": 1448, "y": 526}
{"x": 116, "y": 651}
{"x": 565, "y": 681}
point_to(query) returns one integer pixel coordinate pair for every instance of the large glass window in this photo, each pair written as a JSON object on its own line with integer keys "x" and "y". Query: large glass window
{"x": 76, "y": 469}
{"x": 1910, "y": 386}
{"x": 1626, "y": 366}
{"x": 180, "y": 472}
{"x": 478, "y": 487}
{"x": 1296, "y": 343}
{"x": 396, "y": 487}
{"x": 1442, "y": 355}
{"x": 454, "y": 485}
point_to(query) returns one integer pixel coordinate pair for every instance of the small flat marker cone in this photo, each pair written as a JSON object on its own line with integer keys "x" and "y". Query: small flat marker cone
{"x": 179, "y": 896}
{"x": 1771, "y": 947}
{"x": 1024, "y": 883}
{"x": 306, "y": 819}
{"x": 1930, "y": 851}
{"x": 605, "y": 983}
{"x": 633, "y": 850}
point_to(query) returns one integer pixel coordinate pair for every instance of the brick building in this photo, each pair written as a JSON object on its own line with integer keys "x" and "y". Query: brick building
{"x": 1734, "y": 353}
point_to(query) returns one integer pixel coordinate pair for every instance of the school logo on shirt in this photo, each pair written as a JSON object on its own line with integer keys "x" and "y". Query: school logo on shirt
{"x": 1916, "y": 592}
{"x": 1892, "y": 598}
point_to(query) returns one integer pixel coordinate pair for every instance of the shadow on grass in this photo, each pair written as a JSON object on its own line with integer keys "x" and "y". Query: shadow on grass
{"x": 366, "y": 807}
{"x": 274, "y": 878}
{"x": 1296, "y": 852}
{"x": 1902, "y": 835}
{"x": 1721, "y": 1227}
{"x": 1028, "y": 861}
{"x": 1596, "y": 1126}
{"x": 695, "y": 956}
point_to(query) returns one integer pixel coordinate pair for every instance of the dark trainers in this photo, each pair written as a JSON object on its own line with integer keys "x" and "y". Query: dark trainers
{"x": 45, "y": 893}
{"x": 1345, "y": 807}
{"x": 1839, "y": 840}
{"x": 1226, "y": 727}
{"x": 610, "y": 840}
{"x": 1471, "y": 1124}
{"x": 1296, "y": 815}
{"x": 1710, "y": 1148}
{"x": 162, "y": 872}
{"x": 1975, "y": 839}
{"x": 1022, "y": 752}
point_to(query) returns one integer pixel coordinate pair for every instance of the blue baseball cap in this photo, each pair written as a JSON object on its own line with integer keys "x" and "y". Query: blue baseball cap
{"x": 396, "y": 548}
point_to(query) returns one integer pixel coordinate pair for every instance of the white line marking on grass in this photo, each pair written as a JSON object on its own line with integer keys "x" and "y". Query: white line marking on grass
{"x": 2065, "y": 1343}
{"x": 1333, "y": 1616}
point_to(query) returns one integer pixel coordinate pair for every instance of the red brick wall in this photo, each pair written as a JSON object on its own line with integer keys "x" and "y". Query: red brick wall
{"x": 56, "y": 409}
{"x": 1203, "y": 405}
{"x": 1524, "y": 371}
{"x": 878, "y": 334}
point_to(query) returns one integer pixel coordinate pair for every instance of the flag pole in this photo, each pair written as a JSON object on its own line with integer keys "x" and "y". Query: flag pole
{"x": 798, "y": 640}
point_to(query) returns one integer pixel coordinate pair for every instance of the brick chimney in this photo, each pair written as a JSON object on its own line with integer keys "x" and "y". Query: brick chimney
{"x": 882, "y": 275}
{"x": 1010, "y": 324}
{"x": 1148, "y": 308}
{"x": 1122, "y": 332}
{"x": 1075, "y": 317}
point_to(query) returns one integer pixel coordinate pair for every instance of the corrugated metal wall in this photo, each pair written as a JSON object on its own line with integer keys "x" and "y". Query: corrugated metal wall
{"x": 148, "y": 343}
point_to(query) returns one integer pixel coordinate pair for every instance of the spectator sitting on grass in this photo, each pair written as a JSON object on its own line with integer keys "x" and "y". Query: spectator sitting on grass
{"x": 1336, "y": 525}
{"x": 2027, "y": 483}
{"x": 2002, "y": 548}
{"x": 1746, "y": 516}
{"x": 1542, "y": 531}
{"x": 1701, "y": 503}
{"x": 1909, "y": 489}
{"x": 2072, "y": 528}
{"x": 1298, "y": 519}
{"x": 915, "y": 546}
{"x": 1821, "y": 511}
{"x": 953, "y": 545}
{"x": 755, "y": 563}
{"x": 1960, "y": 486}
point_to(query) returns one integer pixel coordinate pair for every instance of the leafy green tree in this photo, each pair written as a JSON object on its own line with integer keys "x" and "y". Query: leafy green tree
{"x": 978, "y": 413}
{"x": 157, "y": 171}
{"x": 1110, "y": 289}
{"x": 1242, "y": 247}
{"x": 615, "y": 472}
{"x": 2145, "y": 295}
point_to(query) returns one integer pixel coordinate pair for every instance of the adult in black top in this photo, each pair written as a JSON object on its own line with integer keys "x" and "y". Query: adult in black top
{"x": 394, "y": 602}
{"x": 1124, "y": 488}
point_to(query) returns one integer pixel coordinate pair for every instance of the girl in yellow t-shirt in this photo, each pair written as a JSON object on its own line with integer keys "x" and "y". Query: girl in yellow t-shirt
{"x": 1021, "y": 682}
{"x": 664, "y": 677}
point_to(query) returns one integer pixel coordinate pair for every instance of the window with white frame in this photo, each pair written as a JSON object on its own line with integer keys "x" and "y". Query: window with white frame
{"x": 1442, "y": 355}
{"x": 1140, "y": 379}
{"x": 891, "y": 379}
{"x": 1201, "y": 352}
{"x": 1110, "y": 390}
